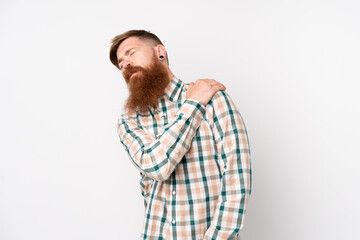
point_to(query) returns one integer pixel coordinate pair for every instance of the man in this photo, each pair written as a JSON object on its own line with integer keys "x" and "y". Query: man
{"x": 188, "y": 142}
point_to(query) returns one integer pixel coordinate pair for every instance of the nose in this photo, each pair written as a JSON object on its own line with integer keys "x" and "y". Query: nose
{"x": 126, "y": 64}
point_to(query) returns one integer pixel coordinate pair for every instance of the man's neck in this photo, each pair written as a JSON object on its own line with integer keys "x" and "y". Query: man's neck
{"x": 170, "y": 74}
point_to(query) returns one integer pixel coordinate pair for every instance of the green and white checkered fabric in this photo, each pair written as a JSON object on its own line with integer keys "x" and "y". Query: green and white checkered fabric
{"x": 194, "y": 163}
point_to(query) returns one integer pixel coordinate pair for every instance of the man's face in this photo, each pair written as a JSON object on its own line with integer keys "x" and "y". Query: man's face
{"x": 134, "y": 52}
{"x": 143, "y": 72}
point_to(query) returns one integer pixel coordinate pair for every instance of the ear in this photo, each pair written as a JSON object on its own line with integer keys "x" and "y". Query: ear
{"x": 160, "y": 50}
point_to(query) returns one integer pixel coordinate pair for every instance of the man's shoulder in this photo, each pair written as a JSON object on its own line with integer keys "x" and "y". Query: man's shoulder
{"x": 222, "y": 103}
{"x": 220, "y": 97}
{"x": 125, "y": 118}
{"x": 133, "y": 115}
{"x": 136, "y": 119}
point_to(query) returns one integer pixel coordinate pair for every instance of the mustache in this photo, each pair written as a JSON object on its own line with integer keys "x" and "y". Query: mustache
{"x": 130, "y": 70}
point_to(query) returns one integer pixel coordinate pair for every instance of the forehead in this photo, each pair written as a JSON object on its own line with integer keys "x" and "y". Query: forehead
{"x": 129, "y": 43}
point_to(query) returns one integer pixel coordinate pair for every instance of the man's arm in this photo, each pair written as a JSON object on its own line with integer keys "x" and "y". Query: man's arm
{"x": 231, "y": 137}
{"x": 158, "y": 157}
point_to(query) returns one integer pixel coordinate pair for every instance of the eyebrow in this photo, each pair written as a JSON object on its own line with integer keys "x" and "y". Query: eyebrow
{"x": 126, "y": 53}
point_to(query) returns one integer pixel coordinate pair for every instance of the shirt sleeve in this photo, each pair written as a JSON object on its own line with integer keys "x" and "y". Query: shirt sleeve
{"x": 158, "y": 156}
{"x": 232, "y": 140}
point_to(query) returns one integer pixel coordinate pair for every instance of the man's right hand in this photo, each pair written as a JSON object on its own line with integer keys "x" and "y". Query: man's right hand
{"x": 203, "y": 90}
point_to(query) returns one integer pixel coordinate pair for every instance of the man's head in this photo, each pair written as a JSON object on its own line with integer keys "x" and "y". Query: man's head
{"x": 142, "y": 39}
{"x": 142, "y": 59}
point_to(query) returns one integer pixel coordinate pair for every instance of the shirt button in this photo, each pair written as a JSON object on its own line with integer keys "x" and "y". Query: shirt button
{"x": 174, "y": 192}
{"x": 173, "y": 221}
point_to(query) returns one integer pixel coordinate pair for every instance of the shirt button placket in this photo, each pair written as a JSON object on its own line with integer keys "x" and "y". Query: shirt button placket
{"x": 173, "y": 199}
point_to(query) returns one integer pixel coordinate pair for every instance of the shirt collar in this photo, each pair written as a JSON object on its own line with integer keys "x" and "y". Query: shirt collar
{"x": 172, "y": 91}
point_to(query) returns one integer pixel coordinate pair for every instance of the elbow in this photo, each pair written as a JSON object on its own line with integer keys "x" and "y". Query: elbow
{"x": 158, "y": 169}
{"x": 159, "y": 177}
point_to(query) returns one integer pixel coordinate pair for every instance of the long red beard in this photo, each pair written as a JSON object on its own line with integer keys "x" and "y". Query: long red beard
{"x": 146, "y": 86}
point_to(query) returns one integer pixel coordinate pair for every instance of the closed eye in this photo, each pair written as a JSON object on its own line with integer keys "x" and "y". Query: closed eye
{"x": 129, "y": 52}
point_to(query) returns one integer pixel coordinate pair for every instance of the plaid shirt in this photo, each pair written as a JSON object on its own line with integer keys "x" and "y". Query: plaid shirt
{"x": 194, "y": 163}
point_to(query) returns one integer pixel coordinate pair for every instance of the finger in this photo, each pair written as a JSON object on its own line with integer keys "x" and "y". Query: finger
{"x": 210, "y": 80}
{"x": 219, "y": 86}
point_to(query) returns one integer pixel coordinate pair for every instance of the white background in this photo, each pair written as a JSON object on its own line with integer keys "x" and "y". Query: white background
{"x": 292, "y": 68}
